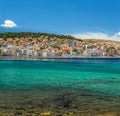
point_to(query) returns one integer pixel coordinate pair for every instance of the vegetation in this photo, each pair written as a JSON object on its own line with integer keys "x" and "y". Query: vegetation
{"x": 32, "y": 35}
{"x": 56, "y": 46}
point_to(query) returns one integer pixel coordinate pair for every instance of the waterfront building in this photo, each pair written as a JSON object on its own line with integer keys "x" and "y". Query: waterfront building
{"x": 44, "y": 54}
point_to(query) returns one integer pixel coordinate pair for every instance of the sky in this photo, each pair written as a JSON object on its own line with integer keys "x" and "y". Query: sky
{"x": 80, "y": 18}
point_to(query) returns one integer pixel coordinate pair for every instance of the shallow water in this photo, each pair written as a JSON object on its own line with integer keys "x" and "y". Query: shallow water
{"x": 67, "y": 85}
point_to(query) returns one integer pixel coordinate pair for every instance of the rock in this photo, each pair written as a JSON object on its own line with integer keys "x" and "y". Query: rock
{"x": 46, "y": 114}
{"x": 71, "y": 113}
{"x": 18, "y": 114}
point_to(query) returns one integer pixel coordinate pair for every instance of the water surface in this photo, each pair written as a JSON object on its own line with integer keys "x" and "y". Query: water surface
{"x": 74, "y": 85}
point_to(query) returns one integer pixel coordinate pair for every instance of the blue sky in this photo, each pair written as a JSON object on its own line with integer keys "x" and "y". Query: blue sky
{"x": 62, "y": 16}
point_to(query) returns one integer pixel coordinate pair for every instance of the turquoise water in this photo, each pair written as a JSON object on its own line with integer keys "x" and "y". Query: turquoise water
{"x": 38, "y": 79}
{"x": 101, "y": 75}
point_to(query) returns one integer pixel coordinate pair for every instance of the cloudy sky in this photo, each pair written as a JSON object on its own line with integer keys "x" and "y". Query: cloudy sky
{"x": 80, "y": 18}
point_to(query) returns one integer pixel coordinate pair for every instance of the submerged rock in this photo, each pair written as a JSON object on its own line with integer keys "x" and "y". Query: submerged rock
{"x": 46, "y": 114}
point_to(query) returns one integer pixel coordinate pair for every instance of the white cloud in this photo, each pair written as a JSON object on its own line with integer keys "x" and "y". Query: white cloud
{"x": 8, "y": 24}
{"x": 97, "y": 35}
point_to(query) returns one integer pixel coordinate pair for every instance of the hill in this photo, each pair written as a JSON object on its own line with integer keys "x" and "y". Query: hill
{"x": 52, "y": 45}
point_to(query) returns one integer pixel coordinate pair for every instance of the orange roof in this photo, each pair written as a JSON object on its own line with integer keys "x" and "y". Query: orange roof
{"x": 66, "y": 49}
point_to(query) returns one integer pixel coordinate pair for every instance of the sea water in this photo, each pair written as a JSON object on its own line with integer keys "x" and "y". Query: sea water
{"x": 38, "y": 80}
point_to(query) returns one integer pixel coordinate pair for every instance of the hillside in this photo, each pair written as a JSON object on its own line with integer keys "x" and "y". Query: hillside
{"x": 99, "y": 40}
{"x": 32, "y": 35}
{"x": 52, "y": 45}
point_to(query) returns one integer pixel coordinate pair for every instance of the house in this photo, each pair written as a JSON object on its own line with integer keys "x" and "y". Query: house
{"x": 44, "y": 54}
{"x": 29, "y": 52}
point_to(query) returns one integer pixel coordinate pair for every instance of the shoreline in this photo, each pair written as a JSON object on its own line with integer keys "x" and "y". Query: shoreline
{"x": 40, "y": 58}
{"x": 58, "y": 104}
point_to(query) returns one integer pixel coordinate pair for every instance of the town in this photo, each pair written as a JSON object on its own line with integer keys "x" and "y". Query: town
{"x": 43, "y": 45}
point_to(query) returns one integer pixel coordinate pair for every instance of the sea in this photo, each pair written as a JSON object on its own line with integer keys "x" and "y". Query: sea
{"x": 58, "y": 87}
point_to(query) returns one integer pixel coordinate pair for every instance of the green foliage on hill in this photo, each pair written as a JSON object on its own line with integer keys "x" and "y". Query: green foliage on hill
{"x": 56, "y": 46}
{"x": 32, "y": 35}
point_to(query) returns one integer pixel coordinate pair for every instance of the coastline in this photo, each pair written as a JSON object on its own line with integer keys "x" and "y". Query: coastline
{"x": 56, "y": 57}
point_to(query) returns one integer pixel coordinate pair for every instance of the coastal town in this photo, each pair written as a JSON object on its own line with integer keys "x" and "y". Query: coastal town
{"x": 42, "y": 45}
